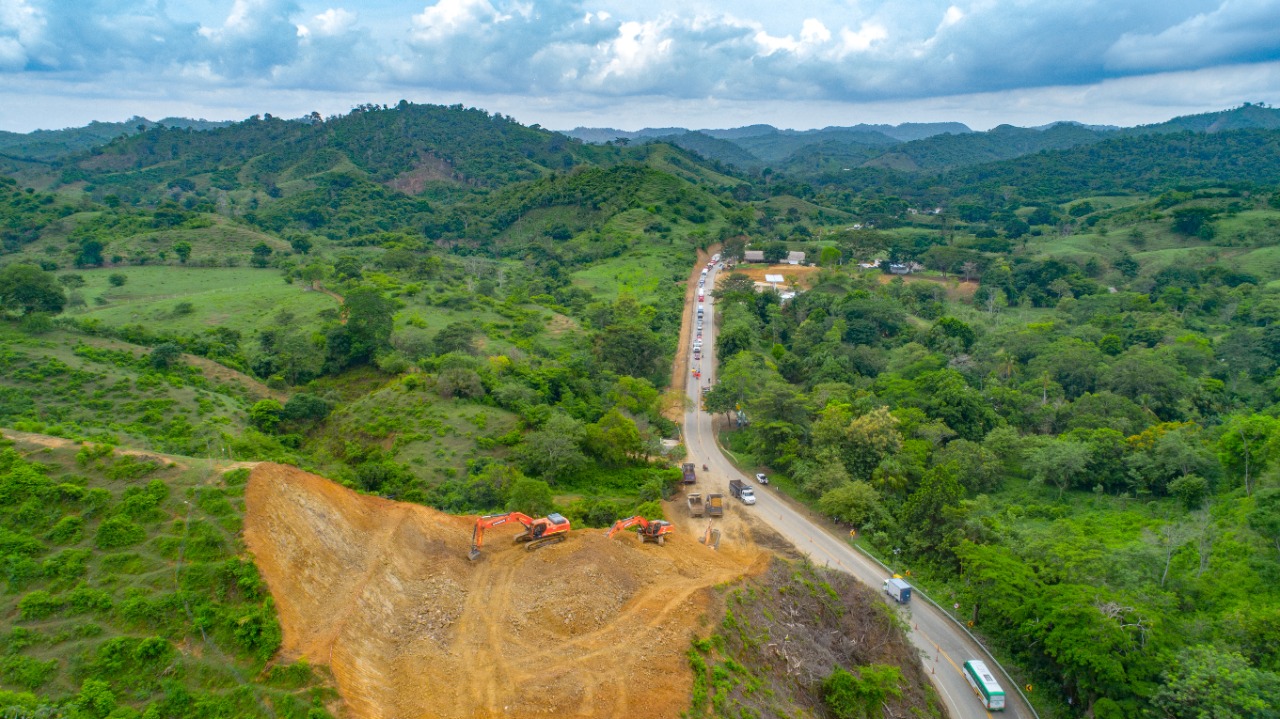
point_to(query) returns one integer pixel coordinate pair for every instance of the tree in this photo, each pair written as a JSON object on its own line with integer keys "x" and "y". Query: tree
{"x": 117, "y": 280}
{"x": 629, "y": 347}
{"x": 455, "y": 337}
{"x": 90, "y": 254}
{"x": 925, "y": 508}
{"x": 1209, "y": 683}
{"x": 300, "y": 244}
{"x": 854, "y": 502}
{"x": 614, "y": 440}
{"x": 306, "y": 406}
{"x": 261, "y": 254}
{"x": 553, "y": 451}
{"x": 829, "y": 256}
{"x": 531, "y": 496}
{"x": 737, "y": 283}
{"x": 1247, "y": 446}
{"x": 1058, "y": 463}
{"x": 775, "y": 252}
{"x": 30, "y": 289}
{"x": 369, "y": 322}
{"x": 71, "y": 280}
{"x": 1192, "y": 220}
{"x": 266, "y": 414}
{"x": 163, "y": 356}
{"x": 182, "y": 249}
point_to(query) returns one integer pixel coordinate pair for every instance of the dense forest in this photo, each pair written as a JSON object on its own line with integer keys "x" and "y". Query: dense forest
{"x": 1064, "y": 417}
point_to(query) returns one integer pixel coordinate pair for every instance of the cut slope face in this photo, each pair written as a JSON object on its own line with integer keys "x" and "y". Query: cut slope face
{"x": 382, "y": 592}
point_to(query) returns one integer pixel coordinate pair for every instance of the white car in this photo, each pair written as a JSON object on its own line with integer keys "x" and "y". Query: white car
{"x": 762, "y": 478}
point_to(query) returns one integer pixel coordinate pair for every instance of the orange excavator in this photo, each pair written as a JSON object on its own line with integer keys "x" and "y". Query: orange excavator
{"x": 649, "y": 530}
{"x": 540, "y": 532}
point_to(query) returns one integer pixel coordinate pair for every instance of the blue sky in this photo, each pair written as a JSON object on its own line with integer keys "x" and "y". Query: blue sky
{"x": 630, "y": 64}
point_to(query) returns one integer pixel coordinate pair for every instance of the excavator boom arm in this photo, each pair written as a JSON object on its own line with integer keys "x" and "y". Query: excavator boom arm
{"x": 494, "y": 520}
{"x": 628, "y": 523}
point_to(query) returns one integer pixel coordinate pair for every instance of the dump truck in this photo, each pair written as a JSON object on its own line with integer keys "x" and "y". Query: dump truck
{"x": 696, "y": 506}
{"x": 715, "y": 505}
{"x": 689, "y": 475}
{"x": 898, "y": 590}
{"x": 739, "y": 489}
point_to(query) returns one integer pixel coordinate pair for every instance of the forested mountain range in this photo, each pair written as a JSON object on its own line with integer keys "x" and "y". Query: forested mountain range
{"x": 1063, "y": 419}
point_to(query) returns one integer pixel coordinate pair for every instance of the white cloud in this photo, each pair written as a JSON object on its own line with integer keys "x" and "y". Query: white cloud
{"x": 952, "y": 16}
{"x": 861, "y": 40}
{"x": 331, "y": 22}
{"x": 448, "y": 18}
{"x": 813, "y": 32}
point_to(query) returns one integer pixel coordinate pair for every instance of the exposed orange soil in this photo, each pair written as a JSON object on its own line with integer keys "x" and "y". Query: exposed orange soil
{"x": 804, "y": 275}
{"x": 382, "y": 593}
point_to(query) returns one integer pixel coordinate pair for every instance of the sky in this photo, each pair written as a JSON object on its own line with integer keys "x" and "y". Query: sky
{"x": 630, "y": 64}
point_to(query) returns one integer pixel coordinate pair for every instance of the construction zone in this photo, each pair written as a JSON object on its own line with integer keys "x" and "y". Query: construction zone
{"x": 386, "y": 595}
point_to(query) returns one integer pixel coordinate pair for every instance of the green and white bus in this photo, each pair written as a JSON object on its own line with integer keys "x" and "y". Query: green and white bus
{"x": 984, "y": 685}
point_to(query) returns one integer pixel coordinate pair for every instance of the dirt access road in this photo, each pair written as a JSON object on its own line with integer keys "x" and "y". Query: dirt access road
{"x": 382, "y": 592}
{"x": 944, "y": 646}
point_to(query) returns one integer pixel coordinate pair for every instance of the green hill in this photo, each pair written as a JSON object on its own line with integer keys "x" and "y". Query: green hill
{"x": 128, "y": 593}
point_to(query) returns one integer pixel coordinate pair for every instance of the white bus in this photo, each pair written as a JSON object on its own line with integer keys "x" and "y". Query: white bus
{"x": 984, "y": 685}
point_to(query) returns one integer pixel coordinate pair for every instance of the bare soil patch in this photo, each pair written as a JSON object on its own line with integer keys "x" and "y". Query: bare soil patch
{"x": 804, "y": 275}
{"x": 382, "y": 593}
{"x": 429, "y": 167}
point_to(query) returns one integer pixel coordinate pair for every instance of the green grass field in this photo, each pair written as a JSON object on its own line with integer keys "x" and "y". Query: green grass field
{"x": 240, "y": 298}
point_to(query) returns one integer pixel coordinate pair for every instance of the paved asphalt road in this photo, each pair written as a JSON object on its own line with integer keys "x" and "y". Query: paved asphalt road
{"x": 944, "y": 647}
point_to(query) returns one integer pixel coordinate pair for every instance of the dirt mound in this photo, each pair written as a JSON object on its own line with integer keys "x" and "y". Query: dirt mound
{"x": 383, "y": 593}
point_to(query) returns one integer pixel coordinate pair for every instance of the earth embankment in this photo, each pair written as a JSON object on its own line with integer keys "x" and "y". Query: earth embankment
{"x": 382, "y": 592}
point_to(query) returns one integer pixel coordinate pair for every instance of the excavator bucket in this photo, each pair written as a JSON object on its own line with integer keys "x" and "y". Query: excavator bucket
{"x": 475, "y": 553}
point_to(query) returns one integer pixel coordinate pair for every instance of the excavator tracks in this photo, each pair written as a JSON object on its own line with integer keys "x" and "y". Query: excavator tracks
{"x": 537, "y": 543}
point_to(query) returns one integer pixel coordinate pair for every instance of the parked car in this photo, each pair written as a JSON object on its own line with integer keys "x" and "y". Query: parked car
{"x": 762, "y": 478}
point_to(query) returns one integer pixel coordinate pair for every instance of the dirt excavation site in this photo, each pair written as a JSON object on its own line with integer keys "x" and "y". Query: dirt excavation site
{"x": 383, "y": 594}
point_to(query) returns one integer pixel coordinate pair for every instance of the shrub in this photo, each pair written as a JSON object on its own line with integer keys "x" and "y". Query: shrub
{"x": 117, "y": 280}
{"x": 38, "y": 605}
{"x": 68, "y": 530}
{"x": 117, "y": 532}
{"x": 27, "y": 672}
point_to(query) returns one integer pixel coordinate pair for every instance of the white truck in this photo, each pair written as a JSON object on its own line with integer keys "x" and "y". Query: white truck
{"x": 898, "y": 590}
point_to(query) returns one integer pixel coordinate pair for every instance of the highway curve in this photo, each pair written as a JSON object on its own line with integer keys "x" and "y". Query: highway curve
{"x": 944, "y": 646}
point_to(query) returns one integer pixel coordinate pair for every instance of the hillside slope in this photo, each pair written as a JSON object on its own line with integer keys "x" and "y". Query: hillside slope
{"x": 384, "y": 593}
